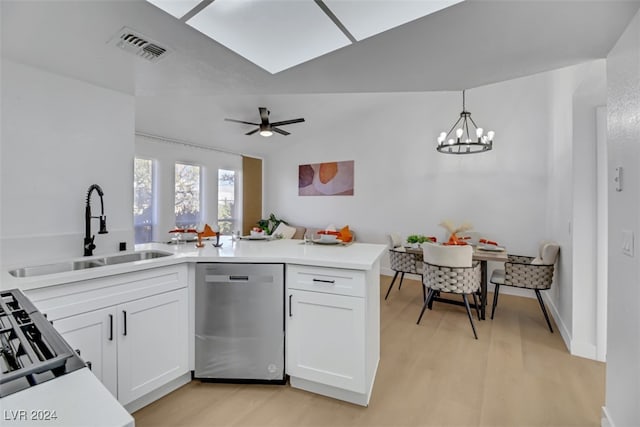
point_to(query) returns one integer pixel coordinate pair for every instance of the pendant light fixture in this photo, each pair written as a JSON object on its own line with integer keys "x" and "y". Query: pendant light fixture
{"x": 465, "y": 137}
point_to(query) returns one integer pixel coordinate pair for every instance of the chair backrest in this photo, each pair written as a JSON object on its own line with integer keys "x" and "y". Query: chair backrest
{"x": 547, "y": 253}
{"x": 394, "y": 240}
{"x": 448, "y": 256}
{"x": 473, "y": 236}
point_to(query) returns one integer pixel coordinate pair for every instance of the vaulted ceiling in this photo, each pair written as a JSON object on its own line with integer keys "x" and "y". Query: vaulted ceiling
{"x": 188, "y": 93}
{"x": 472, "y": 43}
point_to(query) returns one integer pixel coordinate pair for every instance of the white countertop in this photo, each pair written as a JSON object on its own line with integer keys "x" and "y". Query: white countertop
{"x": 357, "y": 256}
{"x": 75, "y": 399}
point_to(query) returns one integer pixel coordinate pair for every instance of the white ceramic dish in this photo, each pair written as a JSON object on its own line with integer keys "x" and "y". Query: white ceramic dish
{"x": 255, "y": 237}
{"x": 491, "y": 248}
{"x": 328, "y": 242}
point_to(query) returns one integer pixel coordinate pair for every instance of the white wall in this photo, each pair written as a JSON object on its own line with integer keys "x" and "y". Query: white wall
{"x": 623, "y": 339}
{"x": 403, "y": 184}
{"x": 537, "y": 182}
{"x": 59, "y": 136}
{"x": 166, "y": 154}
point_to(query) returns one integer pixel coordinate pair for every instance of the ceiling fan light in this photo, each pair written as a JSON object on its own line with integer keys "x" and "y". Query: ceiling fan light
{"x": 266, "y": 133}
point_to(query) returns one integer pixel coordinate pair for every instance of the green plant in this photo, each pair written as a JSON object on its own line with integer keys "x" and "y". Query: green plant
{"x": 419, "y": 238}
{"x": 271, "y": 223}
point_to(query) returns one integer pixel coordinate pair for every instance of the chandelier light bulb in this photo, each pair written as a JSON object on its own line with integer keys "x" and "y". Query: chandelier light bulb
{"x": 465, "y": 137}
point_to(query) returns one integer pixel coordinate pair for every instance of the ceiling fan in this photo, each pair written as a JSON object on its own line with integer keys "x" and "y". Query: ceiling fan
{"x": 266, "y": 128}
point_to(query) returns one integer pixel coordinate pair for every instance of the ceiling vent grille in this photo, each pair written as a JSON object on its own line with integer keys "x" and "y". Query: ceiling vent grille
{"x": 139, "y": 45}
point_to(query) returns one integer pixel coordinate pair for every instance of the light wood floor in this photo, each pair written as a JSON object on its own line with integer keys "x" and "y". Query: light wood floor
{"x": 432, "y": 374}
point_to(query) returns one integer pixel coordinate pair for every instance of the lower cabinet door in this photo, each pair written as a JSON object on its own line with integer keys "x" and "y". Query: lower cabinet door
{"x": 94, "y": 335}
{"x": 325, "y": 339}
{"x": 152, "y": 343}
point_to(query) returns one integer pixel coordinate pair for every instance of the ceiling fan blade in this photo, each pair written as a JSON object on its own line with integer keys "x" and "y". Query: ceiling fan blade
{"x": 287, "y": 122}
{"x": 264, "y": 115}
{"x": 280, "y": 131}
{"x": 252, "y": 132}
{"x": 242, "y": 121}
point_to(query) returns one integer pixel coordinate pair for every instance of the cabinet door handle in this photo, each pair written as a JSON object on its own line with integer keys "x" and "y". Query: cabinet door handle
{"x": 245, "y": 278}
{"x": 124, "y": 316}
{"x": 324, "y": 281}
{"x": 111, "y": 327}
{"x": 290, "y": 296}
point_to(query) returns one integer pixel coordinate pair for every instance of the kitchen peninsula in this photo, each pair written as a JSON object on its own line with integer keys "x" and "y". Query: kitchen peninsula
{"x": 331, "y": 300}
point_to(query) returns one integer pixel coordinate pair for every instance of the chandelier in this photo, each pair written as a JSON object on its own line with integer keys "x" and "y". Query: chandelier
{"x": 465, "y": 137}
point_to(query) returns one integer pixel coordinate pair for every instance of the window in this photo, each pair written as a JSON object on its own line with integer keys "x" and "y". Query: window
{"x": 226, "y": 200}
{"x": 187, "y": 195}
{"x": 143, "y": 200}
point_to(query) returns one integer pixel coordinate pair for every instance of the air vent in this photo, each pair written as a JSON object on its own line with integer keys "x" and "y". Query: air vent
{"x": 140, "y": 45}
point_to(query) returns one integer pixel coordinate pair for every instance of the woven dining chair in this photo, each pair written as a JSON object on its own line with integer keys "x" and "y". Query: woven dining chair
{"x": 402, "y": 262}
{"x": 451, "y": 269}
{"x": 527, "y": 272}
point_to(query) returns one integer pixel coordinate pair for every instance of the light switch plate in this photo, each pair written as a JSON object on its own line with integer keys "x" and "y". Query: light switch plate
{"x": 617, "y": 178}
{"x": 627, "y": 242}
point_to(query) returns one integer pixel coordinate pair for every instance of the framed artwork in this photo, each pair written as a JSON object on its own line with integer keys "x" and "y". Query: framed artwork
{"x": 326, "y": 179}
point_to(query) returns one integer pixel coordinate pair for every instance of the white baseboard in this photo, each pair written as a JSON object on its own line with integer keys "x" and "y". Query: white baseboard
{"x": 605, "y": 418}
{"x": 553, "y": 310}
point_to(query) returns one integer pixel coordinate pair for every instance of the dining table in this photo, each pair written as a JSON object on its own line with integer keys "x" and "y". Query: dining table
{"x": 484, "y": 254}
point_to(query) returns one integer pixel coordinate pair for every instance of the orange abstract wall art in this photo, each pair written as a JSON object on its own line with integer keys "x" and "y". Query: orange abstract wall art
{"x": 326, "y": 179}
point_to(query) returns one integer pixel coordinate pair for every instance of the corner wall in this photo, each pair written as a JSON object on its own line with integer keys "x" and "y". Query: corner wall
{"x": 59, "y": 136}
{"x": 623, "y": 338}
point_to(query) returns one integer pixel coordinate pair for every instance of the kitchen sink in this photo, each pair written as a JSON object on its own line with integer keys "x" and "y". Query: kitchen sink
{"x": 63, "y": 267}
{"x": 136, "y": 256}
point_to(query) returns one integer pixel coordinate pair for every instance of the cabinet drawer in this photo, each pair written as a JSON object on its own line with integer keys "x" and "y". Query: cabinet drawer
{"x": 328, "y": 280}
{"x": 80, "y": 297}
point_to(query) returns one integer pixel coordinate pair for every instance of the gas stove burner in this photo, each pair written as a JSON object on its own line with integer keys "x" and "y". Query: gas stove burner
{"x": 31, "y": 350}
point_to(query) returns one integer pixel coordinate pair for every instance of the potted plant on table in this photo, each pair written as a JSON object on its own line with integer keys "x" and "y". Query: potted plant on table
{"x": 415, "y": 240}
{"x": 270, "y": 224}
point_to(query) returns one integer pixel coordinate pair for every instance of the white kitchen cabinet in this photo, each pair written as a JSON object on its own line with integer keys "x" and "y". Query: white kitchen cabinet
{"x": 333, "y": 331}
{"x": 152, "y": 343}
{"x": 326, "y": 340}
{"x": 133, "y": 328}
{"x": 93, "y": 334}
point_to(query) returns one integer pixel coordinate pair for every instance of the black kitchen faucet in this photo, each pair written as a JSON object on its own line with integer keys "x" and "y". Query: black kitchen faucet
{"x": 89, "y": 246}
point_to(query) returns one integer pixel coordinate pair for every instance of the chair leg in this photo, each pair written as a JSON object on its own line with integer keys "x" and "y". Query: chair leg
{"x": 435, "y": 294}
{"x": 475, "y": 302}
{"x": 466, "y": 304}
{"x": 424, "y": 291}
{"x": 391, "y": 285}
{"x": 496, "y": 291}
{"x": 544, "y": 310}
{"x": 401, "y": 279}
{"x": 424, "y": 306}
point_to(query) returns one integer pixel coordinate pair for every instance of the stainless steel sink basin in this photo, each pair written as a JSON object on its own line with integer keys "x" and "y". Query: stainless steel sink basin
{"x": 63, "y": 267}
{"x": 136, "y": 256}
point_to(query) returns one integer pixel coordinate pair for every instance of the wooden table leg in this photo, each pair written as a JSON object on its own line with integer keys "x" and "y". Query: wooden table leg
{"x": 483, "y": 289}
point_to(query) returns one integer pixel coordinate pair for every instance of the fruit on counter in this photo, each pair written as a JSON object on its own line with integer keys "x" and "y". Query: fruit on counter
{"x": 257, "y": 229}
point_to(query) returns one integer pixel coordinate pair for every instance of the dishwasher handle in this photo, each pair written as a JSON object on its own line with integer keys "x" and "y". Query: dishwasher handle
{"x": 221, "y": 279}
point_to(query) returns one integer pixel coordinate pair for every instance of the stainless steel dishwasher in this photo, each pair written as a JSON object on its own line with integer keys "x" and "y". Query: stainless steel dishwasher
{"x": 239, "y": 322}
